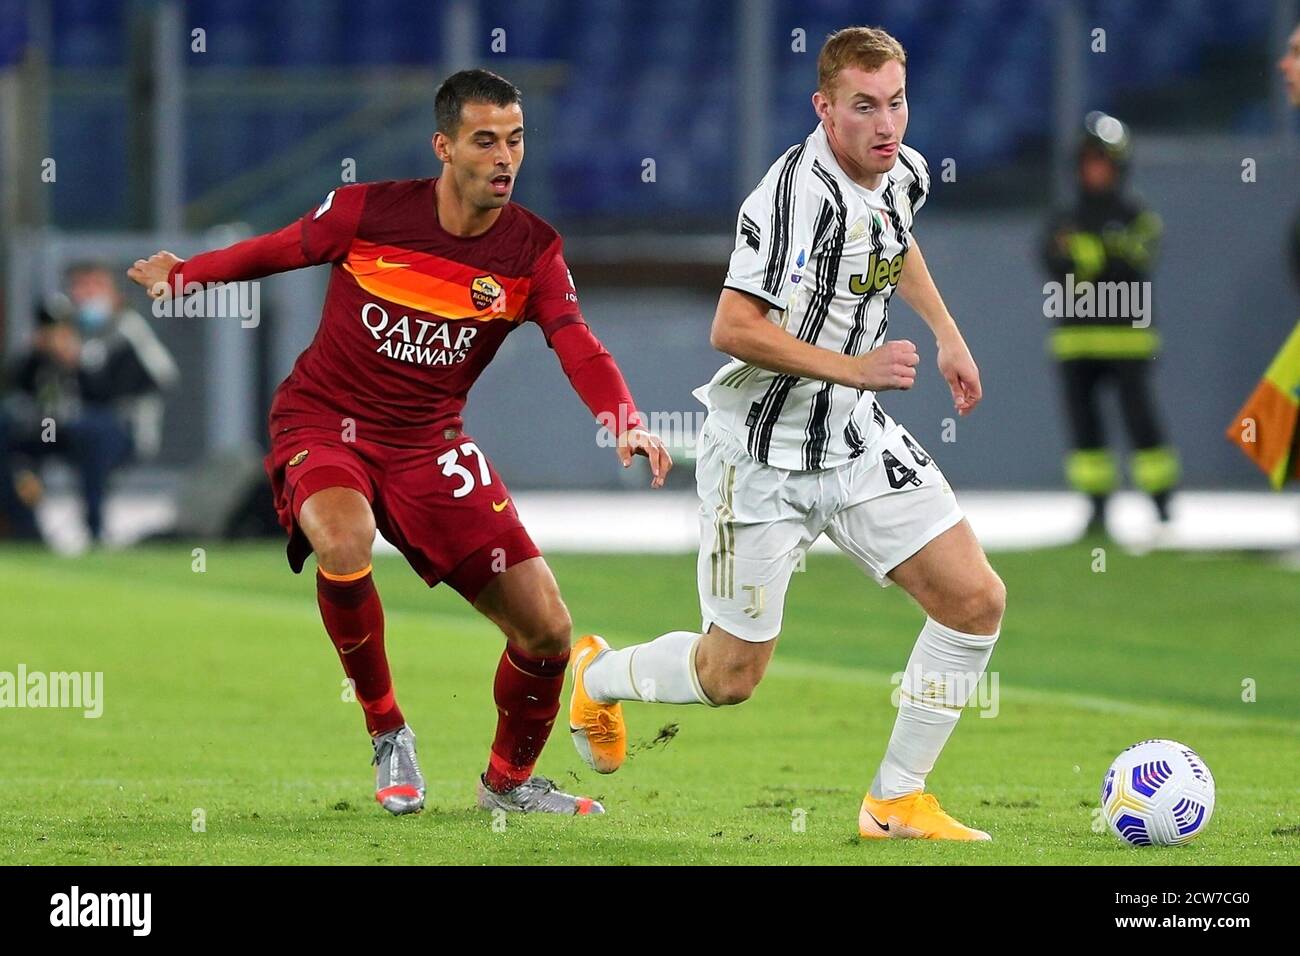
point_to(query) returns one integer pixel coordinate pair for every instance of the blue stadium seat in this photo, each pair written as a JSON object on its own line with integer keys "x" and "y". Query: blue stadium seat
{"x": 665, "y": 85}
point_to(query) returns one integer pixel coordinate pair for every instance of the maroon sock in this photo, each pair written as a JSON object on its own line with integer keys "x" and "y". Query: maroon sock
{"x": 527, "y": 692}
{"x": 354, "y": 620}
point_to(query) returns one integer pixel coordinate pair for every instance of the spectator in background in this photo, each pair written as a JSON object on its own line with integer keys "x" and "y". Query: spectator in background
{"x": 1267, "y": 427}
{"x": 1289, "y": 67}
{"x": 96, "y": 373}
{"x": 1272, "y": 410}
{"x": 1107, "y": 236}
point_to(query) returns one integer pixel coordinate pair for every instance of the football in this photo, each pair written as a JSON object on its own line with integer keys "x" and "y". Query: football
{"x": 1157, "y": 793}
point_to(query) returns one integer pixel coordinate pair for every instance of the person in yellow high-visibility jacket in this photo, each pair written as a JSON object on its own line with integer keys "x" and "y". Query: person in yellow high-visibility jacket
{"x": 1100, "y": 251}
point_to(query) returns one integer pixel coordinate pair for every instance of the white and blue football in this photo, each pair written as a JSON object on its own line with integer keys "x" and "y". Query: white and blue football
{"x": 1157, "y": 793}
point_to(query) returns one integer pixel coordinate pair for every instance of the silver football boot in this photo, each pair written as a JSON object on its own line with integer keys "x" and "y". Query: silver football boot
{"x": 536, "y": 795}
{"x": 399, "y": 785}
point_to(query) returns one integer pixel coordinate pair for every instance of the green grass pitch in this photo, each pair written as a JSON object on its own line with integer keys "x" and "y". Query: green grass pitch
{"x": 222, "y": 695}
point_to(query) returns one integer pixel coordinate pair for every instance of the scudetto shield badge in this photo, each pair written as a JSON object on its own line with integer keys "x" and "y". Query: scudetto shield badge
{"x": 483, "y": 291}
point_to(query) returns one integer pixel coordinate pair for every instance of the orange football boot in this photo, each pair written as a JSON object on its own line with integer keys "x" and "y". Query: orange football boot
{"x": 598, "y": 730}
{"x": 911, "y": 816}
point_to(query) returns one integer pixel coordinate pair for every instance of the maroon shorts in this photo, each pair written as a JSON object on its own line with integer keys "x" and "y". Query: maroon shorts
{"x": 443, "y": 506}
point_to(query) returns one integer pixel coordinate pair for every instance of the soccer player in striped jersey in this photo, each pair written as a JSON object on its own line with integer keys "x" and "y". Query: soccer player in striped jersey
{"x": 796, "y": 445}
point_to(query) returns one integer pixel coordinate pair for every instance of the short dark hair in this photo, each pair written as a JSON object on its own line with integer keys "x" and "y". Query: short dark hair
{"x": 471, "y": 86}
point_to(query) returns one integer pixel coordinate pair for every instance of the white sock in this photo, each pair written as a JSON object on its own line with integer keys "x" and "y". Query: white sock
{"x": 942, "y": 673}
{"x": 662, "y": 671}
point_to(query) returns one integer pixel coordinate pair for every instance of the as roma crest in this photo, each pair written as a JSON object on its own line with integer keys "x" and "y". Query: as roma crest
{"x": 483, "y": 291}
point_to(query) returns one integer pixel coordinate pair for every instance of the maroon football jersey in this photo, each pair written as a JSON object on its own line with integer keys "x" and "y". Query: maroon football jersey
{"x": 413, "y": 313}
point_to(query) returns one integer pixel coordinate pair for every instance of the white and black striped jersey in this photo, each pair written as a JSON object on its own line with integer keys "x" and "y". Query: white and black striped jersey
{"x": 826, "y": 254}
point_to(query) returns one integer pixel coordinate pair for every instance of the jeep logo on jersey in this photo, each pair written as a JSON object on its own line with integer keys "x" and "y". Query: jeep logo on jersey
{"x": 880, "y": 273}
{"x": 483, "y": 291}
{"x": 420, "y": 341}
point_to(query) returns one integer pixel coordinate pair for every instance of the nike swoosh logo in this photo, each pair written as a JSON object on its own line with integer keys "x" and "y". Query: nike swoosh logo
{"x": 500, "y": 507}
{"x": 883, "y": 826}
{"x": 381, "y": 264}
{"x": 356, "y": 645}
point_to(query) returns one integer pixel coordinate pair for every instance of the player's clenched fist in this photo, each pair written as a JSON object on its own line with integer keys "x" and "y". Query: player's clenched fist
{"x": 152, "y": 273}
{"x": 892, "y": 365}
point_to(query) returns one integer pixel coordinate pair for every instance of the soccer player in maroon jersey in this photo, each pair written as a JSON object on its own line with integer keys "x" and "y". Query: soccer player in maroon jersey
{"x": 428, "y": 277}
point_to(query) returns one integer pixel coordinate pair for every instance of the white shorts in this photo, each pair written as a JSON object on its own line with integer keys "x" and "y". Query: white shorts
{"x": 758, "y": 522}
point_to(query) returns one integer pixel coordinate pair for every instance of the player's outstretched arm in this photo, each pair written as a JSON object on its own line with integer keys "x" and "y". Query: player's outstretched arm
{"x": 955, "y": 362}
{"x": 742, "y": 330}
{"x": 595, "y": 376}
{"x": 323, "y": 235}
{"x": 164, "y": 274}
